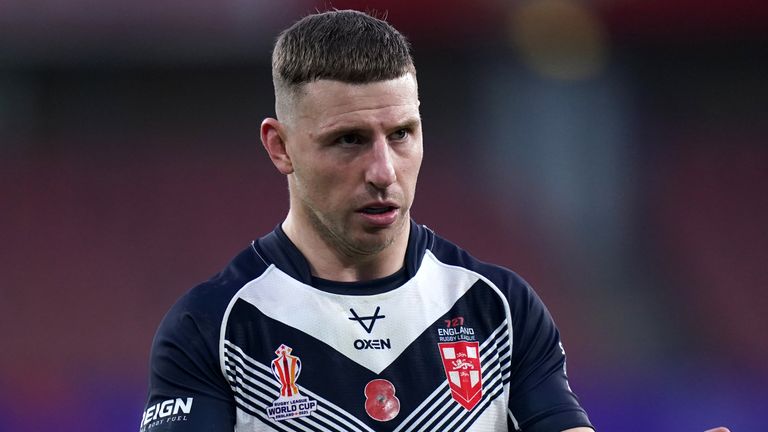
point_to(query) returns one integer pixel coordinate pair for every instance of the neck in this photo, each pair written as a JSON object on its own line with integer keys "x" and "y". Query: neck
{"x": 328, "y": 261}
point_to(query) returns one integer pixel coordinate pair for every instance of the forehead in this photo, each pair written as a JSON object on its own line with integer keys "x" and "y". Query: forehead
{"x": 327, "y": 103}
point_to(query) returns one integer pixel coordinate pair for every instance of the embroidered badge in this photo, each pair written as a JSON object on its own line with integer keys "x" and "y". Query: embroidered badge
{"x": 291, "y": 404}
{"x": 380, "y": 401}
{"x": 461, "y": 361}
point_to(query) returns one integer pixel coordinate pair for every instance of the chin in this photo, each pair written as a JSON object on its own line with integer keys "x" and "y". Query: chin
{"x": 372, "y": 244}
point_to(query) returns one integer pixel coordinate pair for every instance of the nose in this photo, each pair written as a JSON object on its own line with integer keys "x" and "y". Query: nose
{"x": 381, "y": 169}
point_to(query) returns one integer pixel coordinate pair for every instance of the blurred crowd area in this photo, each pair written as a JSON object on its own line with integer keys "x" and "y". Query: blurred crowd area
{"x": 614, "y": 153}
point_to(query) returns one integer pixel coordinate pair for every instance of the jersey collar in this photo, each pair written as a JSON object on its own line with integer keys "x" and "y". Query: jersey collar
{"x": 276, "y": 248}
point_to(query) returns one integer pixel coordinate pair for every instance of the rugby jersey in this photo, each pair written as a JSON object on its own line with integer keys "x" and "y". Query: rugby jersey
{"x": 448, "y": 343}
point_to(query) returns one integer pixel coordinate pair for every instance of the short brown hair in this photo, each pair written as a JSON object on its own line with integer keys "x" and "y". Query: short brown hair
{"x": 347, "y": 46}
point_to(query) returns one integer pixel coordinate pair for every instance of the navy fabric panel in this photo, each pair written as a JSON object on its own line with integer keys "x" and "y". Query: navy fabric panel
{"x": 184, "y": 359}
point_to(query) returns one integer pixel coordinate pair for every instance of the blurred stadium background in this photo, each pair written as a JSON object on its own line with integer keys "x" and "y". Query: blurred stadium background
{"x": 614, "y": 153}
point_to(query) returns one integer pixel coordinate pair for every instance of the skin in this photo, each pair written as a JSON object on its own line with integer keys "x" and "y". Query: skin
{"x": 345, "y": 147}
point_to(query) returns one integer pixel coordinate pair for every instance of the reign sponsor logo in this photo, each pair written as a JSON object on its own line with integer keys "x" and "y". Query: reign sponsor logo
{"x": 372, "y": 344}
{"x": 171, "y": 410}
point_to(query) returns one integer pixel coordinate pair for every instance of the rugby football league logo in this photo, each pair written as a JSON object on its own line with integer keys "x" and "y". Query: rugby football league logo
{"x": 461, "y": 361}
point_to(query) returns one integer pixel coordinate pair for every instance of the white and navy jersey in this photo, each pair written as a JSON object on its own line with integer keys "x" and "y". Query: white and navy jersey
{"x": 446, "y": 344}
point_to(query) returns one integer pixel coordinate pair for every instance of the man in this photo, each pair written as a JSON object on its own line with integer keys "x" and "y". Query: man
{"x": 349, "y": 316}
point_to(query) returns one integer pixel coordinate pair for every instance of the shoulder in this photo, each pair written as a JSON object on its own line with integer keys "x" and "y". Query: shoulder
{"x": 526, "y": 310}
{"x": 184, "y": 359}
{"x": 512, "y": 285}
{"x": 202, "y": 308}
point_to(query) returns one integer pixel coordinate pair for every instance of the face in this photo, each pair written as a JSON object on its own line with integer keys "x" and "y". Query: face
{"x": 355, "y": 153}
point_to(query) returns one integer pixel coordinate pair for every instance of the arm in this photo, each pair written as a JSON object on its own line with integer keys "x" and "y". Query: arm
{"x": 187, "y": 391}
{"x": 541, "y": 399}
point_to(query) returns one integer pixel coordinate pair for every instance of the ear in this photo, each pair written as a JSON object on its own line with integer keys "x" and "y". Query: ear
{"x": 273, "y": 139}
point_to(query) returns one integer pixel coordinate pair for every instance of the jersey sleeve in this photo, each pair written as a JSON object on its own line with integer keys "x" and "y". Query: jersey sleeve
{"x": 187, "y": 391}
{"x": 541, "y": 399}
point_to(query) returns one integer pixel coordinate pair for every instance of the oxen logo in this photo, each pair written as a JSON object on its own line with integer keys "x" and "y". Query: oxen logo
{"x": 372, "y": 319}
{"x": 461, "y": 361}
{"x": 286, "y": 369}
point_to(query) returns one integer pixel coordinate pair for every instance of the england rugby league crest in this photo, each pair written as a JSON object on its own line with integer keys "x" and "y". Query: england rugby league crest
{"x": 461, "y": 361}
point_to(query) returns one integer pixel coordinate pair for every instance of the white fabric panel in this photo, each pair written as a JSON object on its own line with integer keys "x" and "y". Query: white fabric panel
{"x": 408, "y": 310}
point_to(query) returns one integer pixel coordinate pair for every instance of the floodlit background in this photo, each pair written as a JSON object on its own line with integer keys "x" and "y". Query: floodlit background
{"x": 614, "y": 153}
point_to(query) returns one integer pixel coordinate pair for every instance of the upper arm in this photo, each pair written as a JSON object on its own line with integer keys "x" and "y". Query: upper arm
{"x": 187, "y": 391}
{"x": 540, "y": 396}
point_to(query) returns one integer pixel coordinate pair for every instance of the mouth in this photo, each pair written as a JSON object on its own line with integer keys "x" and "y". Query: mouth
{"x": 379, "y": 214}
{"x": 374, "y": 210}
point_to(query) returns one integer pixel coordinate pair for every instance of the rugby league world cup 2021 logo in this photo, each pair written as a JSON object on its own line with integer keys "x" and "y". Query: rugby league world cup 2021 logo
{"x": 291, "y": 404}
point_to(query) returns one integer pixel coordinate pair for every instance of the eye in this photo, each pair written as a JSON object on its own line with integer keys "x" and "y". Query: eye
{"x": 399, "y": 135}
{"x": 349, "y": 139}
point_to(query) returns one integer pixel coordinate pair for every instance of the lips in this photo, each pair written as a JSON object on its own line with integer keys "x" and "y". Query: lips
{"x": 379, "y": 214}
